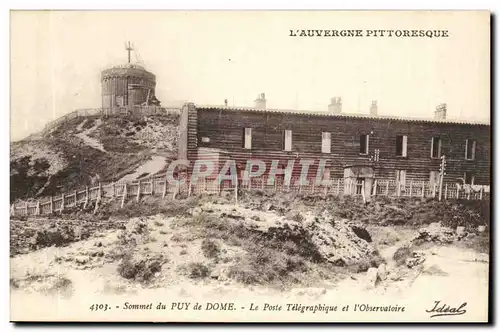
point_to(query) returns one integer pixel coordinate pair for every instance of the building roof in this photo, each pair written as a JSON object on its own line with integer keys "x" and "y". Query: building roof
{"x": 128, "y": 69}
{"x": 341, "y": 115}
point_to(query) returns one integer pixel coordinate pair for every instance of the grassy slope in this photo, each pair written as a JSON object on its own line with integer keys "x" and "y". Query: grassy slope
{"x": 128, "y": 143}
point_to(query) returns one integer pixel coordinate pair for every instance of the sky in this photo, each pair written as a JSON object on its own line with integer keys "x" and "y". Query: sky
{"x": 208, "y": 56}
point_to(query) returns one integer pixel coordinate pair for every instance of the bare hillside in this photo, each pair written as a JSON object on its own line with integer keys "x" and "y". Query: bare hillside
{"x": 89, "y": 149}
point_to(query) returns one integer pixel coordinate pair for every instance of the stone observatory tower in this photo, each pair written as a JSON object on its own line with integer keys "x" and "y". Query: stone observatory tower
{"x": 127, "y": 85}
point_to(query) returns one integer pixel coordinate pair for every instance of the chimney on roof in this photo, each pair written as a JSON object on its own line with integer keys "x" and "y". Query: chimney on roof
{"x": 440, "y": 112}
{"x": 374, "y": 108}
{"x": 335, "y": 106}
{"x": 260, "y": 102}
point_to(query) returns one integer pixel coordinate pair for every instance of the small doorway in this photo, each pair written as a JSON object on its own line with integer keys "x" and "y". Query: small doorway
{"x": 358, "y": 180}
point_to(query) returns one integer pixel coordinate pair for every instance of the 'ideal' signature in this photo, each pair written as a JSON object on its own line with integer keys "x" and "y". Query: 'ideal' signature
{"x": 447, "y": 310}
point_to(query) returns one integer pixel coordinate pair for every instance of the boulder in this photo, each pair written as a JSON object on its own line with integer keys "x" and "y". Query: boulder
{"x": 81, "y": 260}
{"x": 417, "y": 258}
{"x": 372, "y": 277}
{"x": 382, "y": 271}
{"x": 436, "y": 233}
{"x": 338, "y": 242}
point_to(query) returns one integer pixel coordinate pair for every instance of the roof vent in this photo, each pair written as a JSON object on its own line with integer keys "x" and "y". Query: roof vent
{"x": 440, "y": 112}
{"x": 335, "y": 106}
{"x": 374, "y": 108}
{"x": 260, "y": 102}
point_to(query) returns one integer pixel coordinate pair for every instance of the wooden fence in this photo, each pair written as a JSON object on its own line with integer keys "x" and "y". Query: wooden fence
{"x": 158, "y": 186}
{"x": 117, "y": 111}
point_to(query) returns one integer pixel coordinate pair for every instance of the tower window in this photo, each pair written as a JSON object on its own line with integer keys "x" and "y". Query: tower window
{"x": 401, "y": 145}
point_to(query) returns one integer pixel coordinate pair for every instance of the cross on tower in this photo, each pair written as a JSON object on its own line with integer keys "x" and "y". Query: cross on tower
{"x": 129, "y": 48}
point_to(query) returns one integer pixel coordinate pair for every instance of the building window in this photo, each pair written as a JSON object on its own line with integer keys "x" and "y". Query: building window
{"x": 470, "y": 149}
{"x": 469, "y": 178}
{"x": 401, "y": 176}
{"x": 434, "y": 177}
{"x": 287, "y": 140}
{"x": 401, "y": 145}
{"x": 363, "y": 143}
{"x": 326, "y": 142}
{"x": 436, "y": 147}
{"x": 247, "y": 138}
{"x": 244, "y": 175}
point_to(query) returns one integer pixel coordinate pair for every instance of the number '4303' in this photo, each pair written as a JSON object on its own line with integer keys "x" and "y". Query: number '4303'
{"x": 97, "y": 307}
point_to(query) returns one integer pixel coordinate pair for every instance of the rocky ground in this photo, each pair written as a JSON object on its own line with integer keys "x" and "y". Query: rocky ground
{"x": 257, "y": 248}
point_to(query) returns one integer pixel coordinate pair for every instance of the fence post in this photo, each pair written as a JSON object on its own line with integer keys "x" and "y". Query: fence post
{"x": 312, "y": 187}
{"x": 411, "y": 187}
{"x": 62, "y": 202}
{"x": 468, "y": 194}
{"x": 124, "y": 194}
{"x": 164, "y": 188}
{"x": 37, "y": 211}
{"x": 177, "y": 188}
{"x": 152, "y": 187}
{"x": 387, "y": 188}
{"x": 99, "y": 192}
{"x": 375, "y": 188}
{"x": 190, "y": 187}
{"x": 13, "y": 210}
{"x": 236, "y": 191}
{"x": 98, "y": 200}
{"x": 338, "y": 187}
{"x": 113, "y": 189}
{"x": 363, "y": 191}
{"x": 423, "y": 189}
{"x": 75, "y": 194}
{"x": 446, "y": 191}
{"x": 458, "y": 192}
{"x": 86, "y": 197}
{"x": 26, "y": 208}
{"x": 138, "y": 190}
{"x": 51, "y": 205}
{"x": 481, "y": 193}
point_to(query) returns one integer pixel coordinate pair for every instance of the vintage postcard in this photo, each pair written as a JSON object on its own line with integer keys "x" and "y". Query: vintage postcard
{"x": 250, "y": 166}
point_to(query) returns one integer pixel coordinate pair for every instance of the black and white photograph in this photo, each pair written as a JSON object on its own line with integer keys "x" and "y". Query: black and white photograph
{"x": 250, "y": 166}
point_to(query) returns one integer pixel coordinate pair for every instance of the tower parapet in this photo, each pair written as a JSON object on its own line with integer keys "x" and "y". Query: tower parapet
{"x": 127, "y": 85}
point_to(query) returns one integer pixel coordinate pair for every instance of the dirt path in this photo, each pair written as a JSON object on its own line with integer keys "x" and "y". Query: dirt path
{"x": 153, "y": 166}
{"x": 90, "y": 141}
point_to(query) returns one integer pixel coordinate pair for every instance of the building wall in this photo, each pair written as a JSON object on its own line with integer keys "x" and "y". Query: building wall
{"x": 115, "y": 86}
{"x": 223, "y": 129}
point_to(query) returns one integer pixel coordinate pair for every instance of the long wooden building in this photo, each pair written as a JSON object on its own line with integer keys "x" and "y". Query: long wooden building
{"x": 353, "y": 145}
